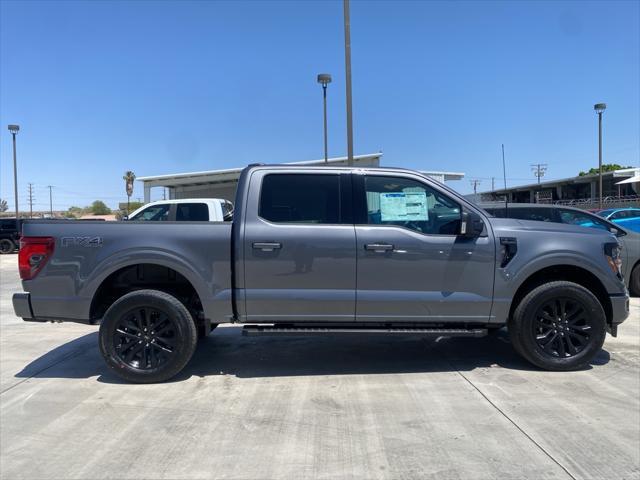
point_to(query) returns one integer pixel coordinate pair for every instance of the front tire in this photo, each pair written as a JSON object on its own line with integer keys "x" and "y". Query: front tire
{"x": 147, "y": 336}
{"x": 7, "y": 246}
{"x": 558, "y": 326}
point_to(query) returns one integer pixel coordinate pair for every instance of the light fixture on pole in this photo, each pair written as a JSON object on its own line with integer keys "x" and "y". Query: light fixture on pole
{"x": 600, "y": 108}
{"x": 324, "y": 79}
{"x": 14, "y": 129}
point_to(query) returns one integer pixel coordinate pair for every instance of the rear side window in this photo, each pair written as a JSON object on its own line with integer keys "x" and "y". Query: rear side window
{"x": 299, "y": 198}
{"x": 154, "y": 213}
{"x": 8, "y": 225}
{"x": 227, "y": 211}
{"x": 192, "y": 212}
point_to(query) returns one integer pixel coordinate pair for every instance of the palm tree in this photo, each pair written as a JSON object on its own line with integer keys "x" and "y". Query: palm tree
{"x": 3, "y": 205}
{"x": 128, "y": 178}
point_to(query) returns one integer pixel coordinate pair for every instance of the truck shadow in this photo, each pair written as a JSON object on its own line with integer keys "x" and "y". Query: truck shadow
{"x": 227, "y": 352}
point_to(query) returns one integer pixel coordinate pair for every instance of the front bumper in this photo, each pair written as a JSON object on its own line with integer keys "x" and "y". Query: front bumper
{"x": 619, "y": 311}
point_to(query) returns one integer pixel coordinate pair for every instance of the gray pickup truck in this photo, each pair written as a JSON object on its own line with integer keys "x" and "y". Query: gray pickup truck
{"x": 322, "y": 250}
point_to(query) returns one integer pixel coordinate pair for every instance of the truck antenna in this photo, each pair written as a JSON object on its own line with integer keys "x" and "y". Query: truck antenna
{"x": 504, "y": 174}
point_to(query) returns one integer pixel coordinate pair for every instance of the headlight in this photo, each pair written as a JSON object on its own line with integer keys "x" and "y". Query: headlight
{"x": 613, "y": 252}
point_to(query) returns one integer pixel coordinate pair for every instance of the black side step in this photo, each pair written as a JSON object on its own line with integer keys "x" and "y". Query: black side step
{"x": 254, "y": 330}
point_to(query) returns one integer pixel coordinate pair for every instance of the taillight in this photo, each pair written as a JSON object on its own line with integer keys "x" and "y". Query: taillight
{"x": 33, "y": 255}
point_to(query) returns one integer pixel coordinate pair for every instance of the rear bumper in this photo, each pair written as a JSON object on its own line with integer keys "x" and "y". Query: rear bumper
{"x": 22, "y": 306}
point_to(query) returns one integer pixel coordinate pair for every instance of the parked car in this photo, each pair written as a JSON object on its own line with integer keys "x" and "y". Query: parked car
{"x": 326, "y": 250}
{"x": 629, "y": 239}
{"x": 9, "y": 234}
{"x": 184, "y": 210}
{"x": 625, "y": 217}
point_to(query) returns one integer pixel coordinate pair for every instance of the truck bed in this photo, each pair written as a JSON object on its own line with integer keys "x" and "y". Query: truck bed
{"x": 87, "y": 253}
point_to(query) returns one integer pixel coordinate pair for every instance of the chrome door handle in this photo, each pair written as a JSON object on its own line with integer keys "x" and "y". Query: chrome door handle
{"x": 267, "y": 246}
{"x": 379, "y": 247}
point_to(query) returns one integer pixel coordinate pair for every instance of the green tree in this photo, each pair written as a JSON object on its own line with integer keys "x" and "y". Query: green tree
{"x": 98, "y": 207}
{"x": 75, "y": 212}
{"x": 606, "y": 167}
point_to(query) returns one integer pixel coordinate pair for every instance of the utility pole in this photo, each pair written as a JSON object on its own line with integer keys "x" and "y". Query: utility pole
{"x": 31, "y": 199}
{"x": 347, "y": 63}
{"x": 493, "y": 183}
{"x": 539, "y": 169}
{"x": 475, "y": 184}
{"x": 50, "y": 187}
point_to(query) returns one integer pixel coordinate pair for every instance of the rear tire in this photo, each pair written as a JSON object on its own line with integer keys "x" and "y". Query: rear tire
{"x": 634, "y": 281}
{"x": 7, "y": 246}
{"x": 147, "y": 336}
{"x": 558, "y": 326}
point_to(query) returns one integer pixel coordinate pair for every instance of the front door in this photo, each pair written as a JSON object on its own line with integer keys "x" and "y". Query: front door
{"x": 412, "y": 264}
{"x": 299, "y": 248}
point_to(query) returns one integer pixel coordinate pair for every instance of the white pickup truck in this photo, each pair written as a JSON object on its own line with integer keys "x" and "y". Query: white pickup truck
{"x": 185, "y": 210}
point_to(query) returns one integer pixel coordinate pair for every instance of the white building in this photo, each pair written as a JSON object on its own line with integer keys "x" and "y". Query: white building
{"x": 222, "y": 183}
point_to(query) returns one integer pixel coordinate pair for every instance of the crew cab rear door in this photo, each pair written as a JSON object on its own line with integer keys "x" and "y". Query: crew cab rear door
{"x": 412, "y": 264}
{"x": 299, "y": 247}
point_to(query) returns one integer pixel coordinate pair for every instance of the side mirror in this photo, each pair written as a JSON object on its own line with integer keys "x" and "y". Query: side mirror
{"x": 471, "y": 225}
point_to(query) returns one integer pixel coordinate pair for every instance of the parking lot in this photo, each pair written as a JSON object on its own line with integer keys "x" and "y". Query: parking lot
{"x": 366, "y": 407}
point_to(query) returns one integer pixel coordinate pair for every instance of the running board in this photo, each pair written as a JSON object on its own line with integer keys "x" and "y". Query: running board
{"x": 254, "y": 330}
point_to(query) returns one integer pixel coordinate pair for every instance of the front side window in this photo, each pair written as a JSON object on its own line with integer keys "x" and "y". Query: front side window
{"x": 192, "y": 212}
{"x": 300, "y": 198}
{"x": 411, "y": 204}
{"x": 154, "y": 213}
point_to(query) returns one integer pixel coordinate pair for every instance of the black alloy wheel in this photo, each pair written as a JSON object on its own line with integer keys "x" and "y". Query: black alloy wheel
{"x": 145, "y": 338}
{"x": 562, "y": 327}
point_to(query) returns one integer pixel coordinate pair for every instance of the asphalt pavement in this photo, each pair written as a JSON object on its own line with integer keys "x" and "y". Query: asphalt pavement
{"x": 316, "y": 407}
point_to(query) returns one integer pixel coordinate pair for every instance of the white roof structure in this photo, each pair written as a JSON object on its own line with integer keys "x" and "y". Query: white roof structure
{"x": 226, "y": 178}
{"x": 232, "y": 174}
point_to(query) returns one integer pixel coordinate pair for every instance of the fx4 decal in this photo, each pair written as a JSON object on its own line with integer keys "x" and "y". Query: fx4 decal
{"x": 81, "y": 241}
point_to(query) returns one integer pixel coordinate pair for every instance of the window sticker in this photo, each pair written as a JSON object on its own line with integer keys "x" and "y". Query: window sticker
{"x": 403, "y": 206}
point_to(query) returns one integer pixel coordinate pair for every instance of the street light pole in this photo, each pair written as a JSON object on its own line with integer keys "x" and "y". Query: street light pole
{"x": 324, "y": 79}
{"x": 347, "y": 62}
{"x": 600, "y": 108}
{"x": 14, "y": 129}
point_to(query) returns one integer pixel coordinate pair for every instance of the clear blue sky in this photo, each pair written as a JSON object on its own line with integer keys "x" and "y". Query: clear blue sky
{"x": 165, "y": 86}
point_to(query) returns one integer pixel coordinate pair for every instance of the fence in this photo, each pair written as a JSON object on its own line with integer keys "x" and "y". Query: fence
{"x": 592, "y": 203}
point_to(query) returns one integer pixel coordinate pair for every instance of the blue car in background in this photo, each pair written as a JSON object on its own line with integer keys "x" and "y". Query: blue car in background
{"x": 625, "y": 217}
